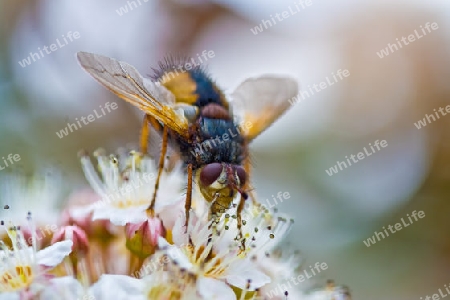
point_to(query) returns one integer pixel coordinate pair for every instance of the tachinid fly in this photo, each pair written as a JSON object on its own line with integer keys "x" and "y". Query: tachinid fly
{"x": 210, "y": 134}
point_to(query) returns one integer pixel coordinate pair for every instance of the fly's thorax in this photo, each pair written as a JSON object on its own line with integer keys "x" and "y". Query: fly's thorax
{"x": 216, "y": 140}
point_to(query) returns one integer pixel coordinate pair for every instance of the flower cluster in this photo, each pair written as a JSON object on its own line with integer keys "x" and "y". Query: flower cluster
{"x": 109, "y": 245}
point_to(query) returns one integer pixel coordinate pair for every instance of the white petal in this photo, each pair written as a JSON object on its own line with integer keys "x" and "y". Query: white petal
{"x": 163, "y": 243}
{"x": 118, "y": 287}
{"x": 170, "y": 214}
{"x": 67, "y": 288}
{"x": 54, "y": 254}
{"x": 9, "y": 296}
{"x": 179, "y": 236}
{"x": 18, "y": 255}
{"x": 212, "y": 289}
{"x": 169, "y": 201}
{"x": 175, "y": 254}
{"x": 121, "y": 217}
{"x": 239, "y": 273}
{"x": 322, "y": 295}
{"x": 325, "y": 295}
{"x": 82, "y": 211}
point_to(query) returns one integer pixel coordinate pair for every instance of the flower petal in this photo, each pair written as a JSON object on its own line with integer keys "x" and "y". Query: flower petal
{"x": 54, "y": 254}
{"x": 82, "y": 211}
{"x": 9, "y": 296}
{"x": 175, "y": 254}
{"x": 169, "y": 202}
{"x": 213, "y": 289}
{"x": 179, "y": 235}
{"x": 67, "y": 288}
{"x": 121, "y": 217}
{"x": 170, "y": 213}
{"x": 240, "y": 273}
{"x": 118, "y": 287}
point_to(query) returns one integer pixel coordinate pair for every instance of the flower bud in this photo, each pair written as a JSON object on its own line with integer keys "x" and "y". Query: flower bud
{"x": 78, "y": 237}
{"x": 142, "y": 239}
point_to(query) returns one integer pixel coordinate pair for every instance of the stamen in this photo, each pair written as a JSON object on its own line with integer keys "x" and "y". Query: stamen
{"x": 32, "y": 227}
{"x": 92, "y": 177}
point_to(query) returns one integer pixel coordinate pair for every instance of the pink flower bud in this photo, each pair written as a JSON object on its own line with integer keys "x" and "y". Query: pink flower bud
{"x": 98, "y": 229}
{"x": 77, "y": 235}
{"x": 142, "y": 239}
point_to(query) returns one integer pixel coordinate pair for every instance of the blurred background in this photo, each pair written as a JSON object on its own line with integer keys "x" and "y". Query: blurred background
{"x": 381, "y": 99}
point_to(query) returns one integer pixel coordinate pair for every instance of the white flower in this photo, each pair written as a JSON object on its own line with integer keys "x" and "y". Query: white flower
{"x": 28, "y": 194}
{"x": 263, "y": 231}
{"x": 23, "y": 269}
{"x": 119, "y": 287}
{"x": 66, "y": 288}
{"x": 330, "y": 292}
{"x": 126, "y": 187}
{"x": 164, "y": 285}
{"x": 281, "y": 270}
{"x": 216, "y": 261}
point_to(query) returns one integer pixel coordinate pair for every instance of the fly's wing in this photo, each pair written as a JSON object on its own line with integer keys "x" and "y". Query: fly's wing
{"x": 258, "y": 102}
{"x": 125, "y": 81}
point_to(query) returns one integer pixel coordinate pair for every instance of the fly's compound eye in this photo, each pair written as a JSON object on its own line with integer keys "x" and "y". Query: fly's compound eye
{"x": 210, "y": 173}
{"x": 241, "y": 174}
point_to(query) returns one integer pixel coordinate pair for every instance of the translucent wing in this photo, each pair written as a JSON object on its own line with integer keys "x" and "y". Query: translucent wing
{"x": 261, "y": 101}
{"x": 125, "y": 81}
